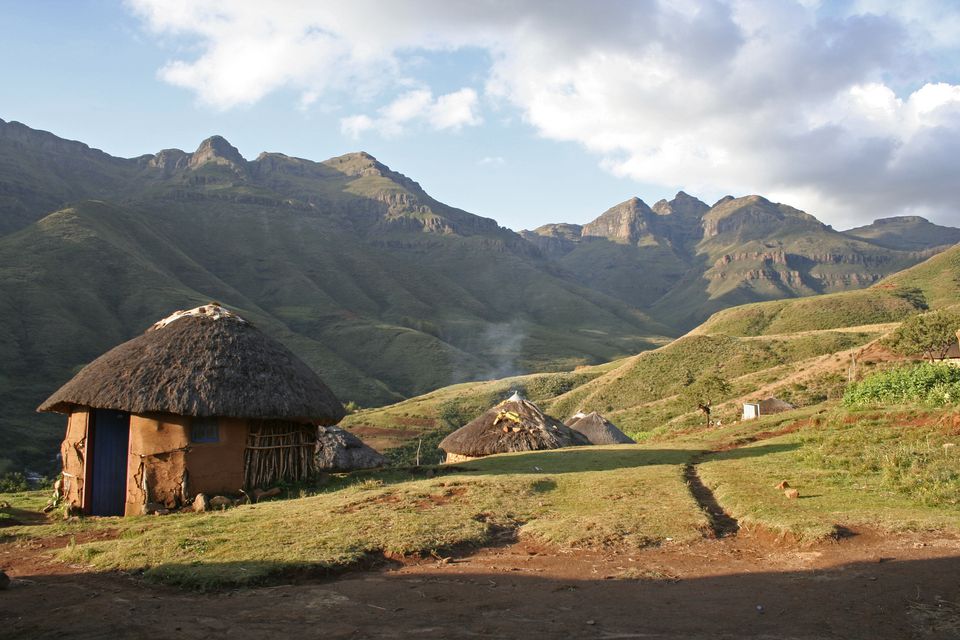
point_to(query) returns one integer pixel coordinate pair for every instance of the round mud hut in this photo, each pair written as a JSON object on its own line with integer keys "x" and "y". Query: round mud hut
{"x": 202, "y": 402}
{"x": 598, "y": 430}
{"x": 340, "y": 450}
{"x": 513, "y": 425}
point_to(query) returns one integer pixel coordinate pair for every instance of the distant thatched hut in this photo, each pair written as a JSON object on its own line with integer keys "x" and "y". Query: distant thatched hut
{"x": 599, "y": 430}
{"x": 202, "y": 402}
{"x": 768, "y": 406}
{"x": 513, "y": 425}
{"x": 340, "y": 450}
{"x": 953, "y": 353}
{"x": 572, "y": 419}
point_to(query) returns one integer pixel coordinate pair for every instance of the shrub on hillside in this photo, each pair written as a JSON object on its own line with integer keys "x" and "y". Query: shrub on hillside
{"x": 13, "y": 482}
{"x": 925, "y": 383}
{"x": 929, "y": 335}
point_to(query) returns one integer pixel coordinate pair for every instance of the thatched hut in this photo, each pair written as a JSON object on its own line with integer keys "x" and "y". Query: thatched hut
{"x": 599, "y": 430}
{"x": 513, "y": 425}
{"x": 766, "y": 406}
{"x": 340, "y": 450}
{"x": 202, "y": 402}
{"x": 572, "y": 419}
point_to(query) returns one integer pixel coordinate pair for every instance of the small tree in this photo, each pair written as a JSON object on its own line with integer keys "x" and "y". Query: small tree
{"x": 704, "y": 392}
{"x": 929, "y": 335}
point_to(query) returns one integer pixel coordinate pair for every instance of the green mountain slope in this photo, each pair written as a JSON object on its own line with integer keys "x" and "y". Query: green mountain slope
{"x": 385, "y": 291}
{"x": 799, "y": 350}
{"x": 936, "y": 280}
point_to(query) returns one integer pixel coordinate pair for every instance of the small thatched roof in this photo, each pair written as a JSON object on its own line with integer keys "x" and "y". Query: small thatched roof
{"x": 513, "y": 425}
{"x": 599, "y": 430}
{"x": 572, "y": 419}
{"x": 203, "y": 362}
{"x": 339, "y": 450}
{"x": 774, "y": 405}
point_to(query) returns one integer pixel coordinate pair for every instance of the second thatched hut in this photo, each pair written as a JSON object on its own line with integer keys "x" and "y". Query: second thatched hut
{"x": 340, "y": 450}
{"x": 515, "y": 424}
{"x": 597, "y": 429}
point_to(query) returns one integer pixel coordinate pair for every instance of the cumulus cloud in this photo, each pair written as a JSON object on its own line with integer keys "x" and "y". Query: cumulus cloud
{"x": 447, "y": 112}
{"x": 848, "y": 110}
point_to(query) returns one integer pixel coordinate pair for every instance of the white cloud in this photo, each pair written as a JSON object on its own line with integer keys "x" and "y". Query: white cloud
{"x": 850, "y": 108}
{"x": 449, "y": 111}
{"x": 494, "y": 161}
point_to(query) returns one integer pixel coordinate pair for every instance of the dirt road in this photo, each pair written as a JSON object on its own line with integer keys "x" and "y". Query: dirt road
{"x": 749, "y": 586}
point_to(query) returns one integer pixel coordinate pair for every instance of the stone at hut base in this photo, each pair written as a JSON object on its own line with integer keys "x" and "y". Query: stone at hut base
{"x": 220, "y": 502}
{"x": 260, "y": 494}
{"x": 201, "y": 503}
{"x": 156, "y": 509}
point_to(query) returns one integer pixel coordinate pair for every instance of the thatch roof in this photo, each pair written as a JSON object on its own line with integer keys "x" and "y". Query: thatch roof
{"x": 513, "y": 425}
{"x": 599, "y": 430}
{"x": 339, "y": 450}
{"x": 774, "y": 405}
{"x": 202, "y": 362}
{"x": 572, "y": 419}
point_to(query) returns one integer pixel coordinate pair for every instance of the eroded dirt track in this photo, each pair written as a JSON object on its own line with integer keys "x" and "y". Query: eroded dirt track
{"x": 748, "y": 586}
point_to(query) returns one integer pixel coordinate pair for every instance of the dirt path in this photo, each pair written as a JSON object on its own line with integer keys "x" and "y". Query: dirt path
{"x": 721, "y": 523}
{"x": 748, "y": 586}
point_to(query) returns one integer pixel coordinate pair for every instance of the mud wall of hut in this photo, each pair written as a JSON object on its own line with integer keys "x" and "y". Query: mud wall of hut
{"x": 164, "y": 467}
{"x": 217, "y": 467}
{"x": 73, "y": 451}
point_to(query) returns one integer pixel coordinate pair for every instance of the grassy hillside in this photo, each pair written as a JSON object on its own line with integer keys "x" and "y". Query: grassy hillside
{"x": 641, "y": 393}
{"x": 933, "y": 283}
{"x": 886, "y": 472}
{"x": 378, "y": 325}
{"x": 799, "y": 350}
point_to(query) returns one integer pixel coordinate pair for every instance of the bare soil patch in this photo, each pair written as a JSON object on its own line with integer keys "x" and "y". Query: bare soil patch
{"x": 754, "y": 585}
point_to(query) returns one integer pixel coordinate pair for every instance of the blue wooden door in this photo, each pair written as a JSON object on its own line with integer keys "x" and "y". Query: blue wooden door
{"x": 108, "y": 457}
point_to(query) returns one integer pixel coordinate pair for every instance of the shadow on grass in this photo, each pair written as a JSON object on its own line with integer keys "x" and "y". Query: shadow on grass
{"x": 21, "y": 517}
{"x": 752, "y": 452}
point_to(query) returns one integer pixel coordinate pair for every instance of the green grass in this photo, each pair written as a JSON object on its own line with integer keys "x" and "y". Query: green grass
{"x": 832, "y": 311}
{"x": 884, "y": 470}
{"x": 887, "y": 470}
{"x": 588, "y": 497}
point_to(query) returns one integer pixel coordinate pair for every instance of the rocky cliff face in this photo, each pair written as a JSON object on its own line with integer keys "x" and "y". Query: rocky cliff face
{"x": 628, "y": 223}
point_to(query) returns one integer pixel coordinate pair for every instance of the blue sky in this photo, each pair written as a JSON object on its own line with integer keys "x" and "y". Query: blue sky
{"x": 850, "y": 110}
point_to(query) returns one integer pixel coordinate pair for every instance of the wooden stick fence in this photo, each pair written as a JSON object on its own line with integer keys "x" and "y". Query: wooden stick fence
{"x": 278, "y": 450}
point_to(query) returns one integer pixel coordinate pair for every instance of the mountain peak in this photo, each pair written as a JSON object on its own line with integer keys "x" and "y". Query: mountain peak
{"x": 626, "y": 222}
{"x": 900, "y": 220}
{"x": 683, "y": 204}
{"x": 217, "y": 150}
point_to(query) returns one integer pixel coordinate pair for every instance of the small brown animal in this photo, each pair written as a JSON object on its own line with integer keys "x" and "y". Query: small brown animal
{"x": 792, "y": 494}
{"x": 783, "y": 485}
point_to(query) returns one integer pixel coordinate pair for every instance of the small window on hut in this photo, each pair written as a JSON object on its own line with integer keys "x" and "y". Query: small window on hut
{"x": 204, "y": 430}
